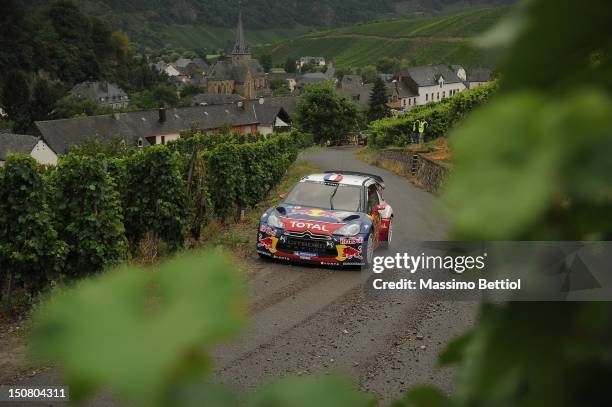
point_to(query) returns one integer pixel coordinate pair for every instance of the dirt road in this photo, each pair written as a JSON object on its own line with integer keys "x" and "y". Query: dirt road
{"x": 311, "y": 320}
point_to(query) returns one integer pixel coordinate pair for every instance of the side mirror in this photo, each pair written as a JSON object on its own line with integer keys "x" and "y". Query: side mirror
{"x": 282, "y": 196}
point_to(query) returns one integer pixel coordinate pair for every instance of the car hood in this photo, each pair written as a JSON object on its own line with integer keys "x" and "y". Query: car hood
{"x": 315, "y": 220}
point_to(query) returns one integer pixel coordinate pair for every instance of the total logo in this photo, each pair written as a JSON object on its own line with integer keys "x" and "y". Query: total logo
{"x": 310, "y": 226}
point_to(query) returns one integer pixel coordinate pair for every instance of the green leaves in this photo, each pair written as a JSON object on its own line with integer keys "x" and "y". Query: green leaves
{"x": 141, "y": 333}
{"x": 29, "y": 244}
{"x": 326, "y": 391}
{"x": 239, "y": 175}
{"x": 541, "y": 150}
{"x": 441, "y": 116}
{"x": 87, "y": 214}
{"x": 423, "y": 396}
{"x": 154, "y": 199}
{"x": 325, "y": 114}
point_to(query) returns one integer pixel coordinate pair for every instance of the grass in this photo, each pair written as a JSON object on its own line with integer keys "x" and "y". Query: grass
{"x": 445, "y": 39}
{"x": 195, "y": 37}
{"x": 461, "y": 24}
{"x": 239, "y": 239}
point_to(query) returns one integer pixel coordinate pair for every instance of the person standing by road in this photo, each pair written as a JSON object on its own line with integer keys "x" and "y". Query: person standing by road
{"x": 422, "y": 126}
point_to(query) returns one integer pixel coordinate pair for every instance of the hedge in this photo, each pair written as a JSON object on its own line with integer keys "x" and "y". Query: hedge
{"x": 87, "y": 214}
{"x": 31, "y": 253}
{"x": 155, "y": 197}
{"x": 441, "y": 117}
{"x": 239, "y": 175}
{"x": 81, "y": 214}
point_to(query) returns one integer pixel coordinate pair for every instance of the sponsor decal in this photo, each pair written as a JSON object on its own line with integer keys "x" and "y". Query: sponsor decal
{"x": 268, "y": 230}
{"x": 305, "y": 255}
{"x": 317, "y": 213}
{"x": 333, "y": 178}
{"x": 351, "y": 240}
{"x": 298, "y": 225}
{"x": 269, "y": 243}
{"x": 348, "y": 252}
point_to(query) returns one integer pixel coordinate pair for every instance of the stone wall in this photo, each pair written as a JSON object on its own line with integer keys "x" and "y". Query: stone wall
{"x": 428, "y": 174}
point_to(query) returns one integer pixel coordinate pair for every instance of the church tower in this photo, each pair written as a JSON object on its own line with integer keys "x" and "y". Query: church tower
{"x": 240, "y": 51}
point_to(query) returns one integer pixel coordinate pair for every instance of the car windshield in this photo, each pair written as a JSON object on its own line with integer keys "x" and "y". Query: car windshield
{"x": 326, "y": 196}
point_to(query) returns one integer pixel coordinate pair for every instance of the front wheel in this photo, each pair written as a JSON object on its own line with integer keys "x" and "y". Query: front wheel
{"x": 369, "y": 252}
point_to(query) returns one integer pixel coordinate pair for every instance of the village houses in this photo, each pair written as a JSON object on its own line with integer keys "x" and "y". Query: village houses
{"x": 149, "y": 127}
{"x": 416, "y": 86}
{"x": 104, "y": 93}
{"x": 26, "y": 144}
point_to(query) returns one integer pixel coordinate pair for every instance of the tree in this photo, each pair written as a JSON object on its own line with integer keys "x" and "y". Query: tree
{"x": 325, "y": 114}
{"x": 278, "y": 83}
{"x": 290, "y": 66}
{"x": 307, "y": 67}
{"x": 72, "y": 105}
{"x": 161, "y": 95}
{"x": 95, "y": 147}
{"x": 378, "y": 101}
{"x": 30, "y": 252}
{"x": 369, "y": 73}
{"x": 266, "y": 62}
{"x": 121, "y": 43}
{"x": 343, "y": 70}
{"x": 44, "y": 97}
{"x": 190, "y": 90}
{"x": 87, "y": 215}
{"x": 156, "y": 202}
{"x": 16, "y": 100}
{"x": 388, "y": 65}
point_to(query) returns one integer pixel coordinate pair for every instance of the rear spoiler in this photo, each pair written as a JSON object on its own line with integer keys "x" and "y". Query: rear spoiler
{"x": 375, "y": 177}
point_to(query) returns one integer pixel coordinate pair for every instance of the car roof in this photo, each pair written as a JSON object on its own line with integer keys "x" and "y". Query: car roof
{"x": 343, "y": 179}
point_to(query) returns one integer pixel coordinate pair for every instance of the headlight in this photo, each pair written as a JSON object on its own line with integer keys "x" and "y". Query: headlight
{"x": 274, "y": 221}
{"x": 348, "y": 230}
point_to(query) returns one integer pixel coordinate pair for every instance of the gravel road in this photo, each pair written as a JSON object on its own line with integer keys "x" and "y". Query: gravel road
{"x": 310, "y": 320}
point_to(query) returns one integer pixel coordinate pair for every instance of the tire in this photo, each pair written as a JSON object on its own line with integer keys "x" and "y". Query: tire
{"x": 369, "y": 252}
{"x": 385, "y": 244}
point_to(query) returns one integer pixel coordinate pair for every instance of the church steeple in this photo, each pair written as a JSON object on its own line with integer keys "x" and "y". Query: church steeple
{"x": 240, "y": 50}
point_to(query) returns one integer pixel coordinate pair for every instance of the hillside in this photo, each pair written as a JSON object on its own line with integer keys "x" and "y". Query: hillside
{"x": 198, "y": 37}
{"x": 207, "y": 23}
{"x": 421, "y": 40}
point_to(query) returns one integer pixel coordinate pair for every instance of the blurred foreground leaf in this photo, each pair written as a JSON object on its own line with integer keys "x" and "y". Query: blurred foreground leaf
{"x": 422, "y": 396}
{"x": 325, "y": 391}
{"x": 140, "y": 332}
{"x": 526, "y": 159}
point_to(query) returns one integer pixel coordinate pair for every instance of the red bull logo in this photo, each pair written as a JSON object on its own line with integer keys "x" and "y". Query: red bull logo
{"x": 317, "y": 213}
{"x": 269, "y": 243}
{"x": 348, "y": 252}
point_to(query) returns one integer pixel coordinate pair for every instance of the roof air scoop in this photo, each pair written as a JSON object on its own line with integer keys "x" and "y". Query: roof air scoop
{"x": 350, "y": 218}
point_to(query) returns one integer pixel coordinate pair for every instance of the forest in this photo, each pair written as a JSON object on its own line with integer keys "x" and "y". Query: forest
{"x": 46, "y": 50}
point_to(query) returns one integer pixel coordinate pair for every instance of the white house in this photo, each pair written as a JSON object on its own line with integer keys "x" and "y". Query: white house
{"x": 168, "y": 69}
{"x": 25, "y": 144}
{"x": 430, "y": 83}
{"x": 315, "y": 61}
{"x": 271, "y": 117}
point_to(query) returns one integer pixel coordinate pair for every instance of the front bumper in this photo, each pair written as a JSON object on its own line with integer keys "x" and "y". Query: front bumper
{"x": 311, "y": 248}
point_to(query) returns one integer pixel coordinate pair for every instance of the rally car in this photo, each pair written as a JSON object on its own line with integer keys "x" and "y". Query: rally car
{"x": 333, "y": 218}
